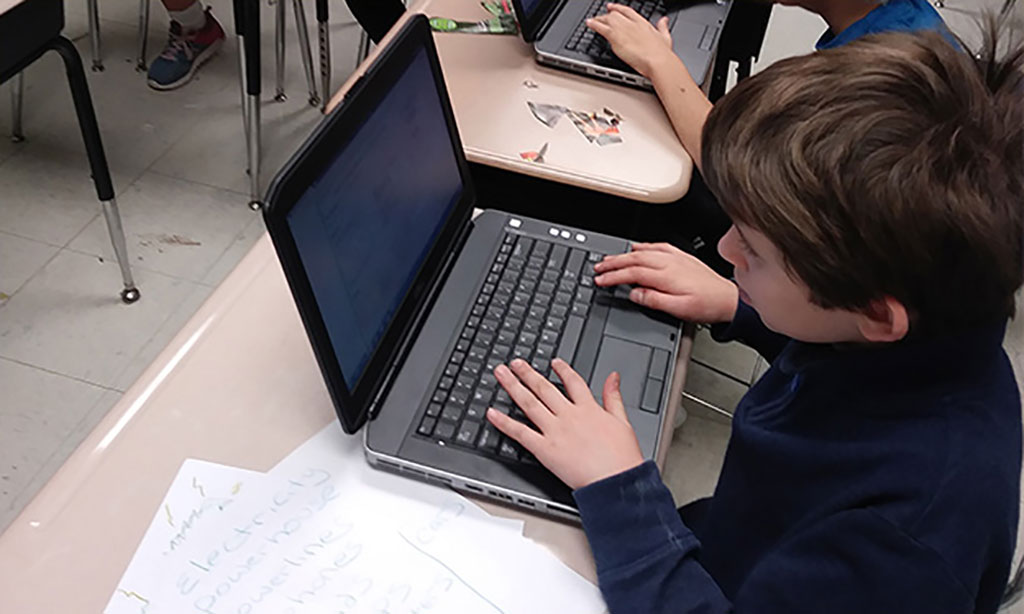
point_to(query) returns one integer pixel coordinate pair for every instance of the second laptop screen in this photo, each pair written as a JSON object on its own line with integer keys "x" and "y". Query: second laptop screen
{"x": 364, "y": 228}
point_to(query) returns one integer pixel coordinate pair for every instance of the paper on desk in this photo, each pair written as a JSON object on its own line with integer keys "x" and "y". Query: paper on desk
{"x": 200, "y": 493}
{"x": 325, "y": 533}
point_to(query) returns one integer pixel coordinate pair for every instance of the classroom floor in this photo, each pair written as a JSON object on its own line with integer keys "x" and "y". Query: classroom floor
{"x": 69, "y": 348}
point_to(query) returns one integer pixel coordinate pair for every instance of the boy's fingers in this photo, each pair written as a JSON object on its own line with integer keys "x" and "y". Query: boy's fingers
{"x": 613, "y": 397}
{"x": 663, "y": 27}
{"x": 618, "y": 261}
{"x": 535, "y": 410}
{"x": 635, "y": 275}
{"x": 529, "y": 438}
{"x": 538, "y": 385}
{"x": 574, "y": 383}
{"x": 597, "y": 24}
{"x": 652, "y": 299}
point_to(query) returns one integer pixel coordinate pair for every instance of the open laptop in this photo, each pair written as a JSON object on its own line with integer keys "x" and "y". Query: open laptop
{"x": 409, "y": 302}
{"x": 562, "y": 39}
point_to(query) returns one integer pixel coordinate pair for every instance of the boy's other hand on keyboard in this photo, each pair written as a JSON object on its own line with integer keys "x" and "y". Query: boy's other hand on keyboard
{"x": 577, "y": 439}
{"x": 633, "y": 38}
{"x": 670, "y": 280}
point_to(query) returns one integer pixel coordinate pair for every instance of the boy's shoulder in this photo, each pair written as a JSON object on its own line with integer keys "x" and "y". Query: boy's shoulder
{"x": 893, "y": 16}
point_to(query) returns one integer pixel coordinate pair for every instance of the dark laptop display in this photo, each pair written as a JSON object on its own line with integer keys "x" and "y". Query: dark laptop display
{"x": 399, "y": 181}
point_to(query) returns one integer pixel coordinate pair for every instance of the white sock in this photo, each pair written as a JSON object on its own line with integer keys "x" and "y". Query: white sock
{"x": 191, "y": 19}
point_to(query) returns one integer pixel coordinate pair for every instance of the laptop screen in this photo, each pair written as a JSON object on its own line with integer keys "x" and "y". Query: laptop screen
{"x": 365, "y": 226}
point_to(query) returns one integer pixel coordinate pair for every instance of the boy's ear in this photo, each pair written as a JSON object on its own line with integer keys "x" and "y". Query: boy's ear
{"x": 884, "y": 321}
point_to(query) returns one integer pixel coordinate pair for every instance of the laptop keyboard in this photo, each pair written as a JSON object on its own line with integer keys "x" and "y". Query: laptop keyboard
{"x": 585, "y": 40}
{"x": 533, "y": 306}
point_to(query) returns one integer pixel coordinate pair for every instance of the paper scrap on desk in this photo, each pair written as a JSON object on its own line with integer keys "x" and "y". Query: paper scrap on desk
{"x": 505, "y": 24}
{"x": 199, "y": 494}
{"x": 547, "y": 114}
{"x": 600, "y": 127}
{"x": 322, "y": 531}
{"x": 535, "y": 156}
{"x": 597, "y": 127}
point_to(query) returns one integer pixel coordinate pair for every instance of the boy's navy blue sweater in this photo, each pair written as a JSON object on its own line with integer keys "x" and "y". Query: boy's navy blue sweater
{"x": 880, "y": 480}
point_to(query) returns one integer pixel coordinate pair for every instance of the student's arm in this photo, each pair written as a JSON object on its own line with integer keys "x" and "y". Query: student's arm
{"x": 649, "y": 51}
{"x": 852, "y": 563}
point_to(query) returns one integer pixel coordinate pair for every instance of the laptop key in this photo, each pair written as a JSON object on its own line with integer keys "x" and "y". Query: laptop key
{"x": 587, "y": 282}
{"x": 579, "y": 309}
{"x": 472, "y": 367}
{"x": 426, "y": 426}
{"x": 555, "y": 323}
{"x": 502, "y": 398}
{"x": 532, "y": 325}
{"x": 488, "y": 381}
{"x": 540, "y": 364}
{"x": 489, "y": 325}
{"x": 550, "y": 275}
{"x": 507, "y": 450}
{"x": 478, "y": 310}
{"x": 433, "y": 410}
{"x": 451, "y": 413}
{"x": 548, "y": 336}
{"x": 584, "y": 295}
{"x": 558, "y": 310}
{"x": 512, "y": 324}
{"x": 445, "y": 383}
{"x": 477, "y": 352}
{"x": 440, "y": 396}
{"x": 522, "y": 351}
{"x": 563, "y": 298}
{"x": 444, "y": 430}
{"x": 476, "y": 410}
{"x": 545, "y": 350}
{"x": 489, "y": 438}
{"x": 459, "y": 398}
{"x": 574, "y": 263}
{"x": 517, "y": 311}
{"x": 570, "y": 338}
{"x": 467, "y": 433}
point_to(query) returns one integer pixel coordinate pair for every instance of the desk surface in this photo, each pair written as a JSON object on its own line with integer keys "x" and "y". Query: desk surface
{"x": 486, "y": 76}
{"x": 217, "y": 393}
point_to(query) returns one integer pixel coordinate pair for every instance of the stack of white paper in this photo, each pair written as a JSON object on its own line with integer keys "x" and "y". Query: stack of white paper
{"x": 322, "y": 532}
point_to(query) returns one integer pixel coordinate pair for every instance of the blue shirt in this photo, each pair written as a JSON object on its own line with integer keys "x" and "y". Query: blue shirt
{"x": 893, "y": 16}
{"x": 882, "y": 480}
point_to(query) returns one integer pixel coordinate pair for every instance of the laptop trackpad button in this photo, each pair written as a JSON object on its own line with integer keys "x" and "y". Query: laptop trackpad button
{"x": 630, "y": 360}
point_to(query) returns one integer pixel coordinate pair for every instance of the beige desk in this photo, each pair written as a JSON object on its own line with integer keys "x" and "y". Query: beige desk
{"x": 238, "y": 385}
{"x": 485, "y": 75}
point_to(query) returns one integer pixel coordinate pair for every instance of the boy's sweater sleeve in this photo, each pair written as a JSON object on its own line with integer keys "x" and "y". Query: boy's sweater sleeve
{"x": 851, "y": 563}
{"x": 747, "y": 328}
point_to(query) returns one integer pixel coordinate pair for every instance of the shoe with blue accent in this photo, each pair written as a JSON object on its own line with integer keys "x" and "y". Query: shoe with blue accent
{"x": 184, "y": 54}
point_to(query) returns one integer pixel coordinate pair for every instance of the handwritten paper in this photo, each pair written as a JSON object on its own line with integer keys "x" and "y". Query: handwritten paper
{"x": 323, "y": 532}
{"x": 200, "y": 493}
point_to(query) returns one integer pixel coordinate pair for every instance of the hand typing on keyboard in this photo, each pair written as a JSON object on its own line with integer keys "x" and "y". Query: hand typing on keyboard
{"x": 670, "y": 280}
{"x": 577, "y": 439}
{"x": 633, "y": 38}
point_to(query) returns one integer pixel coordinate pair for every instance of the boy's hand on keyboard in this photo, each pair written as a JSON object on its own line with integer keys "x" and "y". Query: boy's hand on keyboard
{"x": 670, "y": 280}
{"x": 633, "y": 38}
{"x": 578, "y": 440}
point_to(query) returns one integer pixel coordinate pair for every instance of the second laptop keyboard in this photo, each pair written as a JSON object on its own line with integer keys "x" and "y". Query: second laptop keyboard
{"x": 533, "y": 305}
{"x": 585, "y": 40}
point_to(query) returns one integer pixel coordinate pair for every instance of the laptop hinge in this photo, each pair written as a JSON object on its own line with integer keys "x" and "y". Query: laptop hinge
{"x": 405, "y": 345}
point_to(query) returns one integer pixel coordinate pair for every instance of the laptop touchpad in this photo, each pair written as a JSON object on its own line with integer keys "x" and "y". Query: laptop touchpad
{"x": 630, "y": 360}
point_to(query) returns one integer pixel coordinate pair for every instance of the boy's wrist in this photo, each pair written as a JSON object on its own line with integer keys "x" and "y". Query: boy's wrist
{"x": 665, "y": 68}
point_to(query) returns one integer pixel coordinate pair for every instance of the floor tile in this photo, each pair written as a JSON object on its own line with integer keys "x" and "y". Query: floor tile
{"x": 69, "y": 319}
{"x": 39, "y": 410}
{"x": 171, "y": 226}
{"x": 48, "y": 200}
{"x": 162, "y": 336}
{"x": 695, "y": 458}
{"x": 732, "y": 358}
{"x": 239, "y": 247}
{"x": 20, "y": 259}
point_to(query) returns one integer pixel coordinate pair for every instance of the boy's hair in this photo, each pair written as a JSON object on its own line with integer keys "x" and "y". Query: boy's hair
{"x": 892, "y": 166}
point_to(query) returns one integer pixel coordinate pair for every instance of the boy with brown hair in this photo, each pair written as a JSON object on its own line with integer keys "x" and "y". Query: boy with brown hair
{"x": 876, "y": 194}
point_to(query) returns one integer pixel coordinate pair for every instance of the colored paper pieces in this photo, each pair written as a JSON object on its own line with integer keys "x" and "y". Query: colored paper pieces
{"x": 600, "y": 127}
{"x": 502, "y": 21}
{"x": 535, "y": 156}
{"x": 494, "y": 25}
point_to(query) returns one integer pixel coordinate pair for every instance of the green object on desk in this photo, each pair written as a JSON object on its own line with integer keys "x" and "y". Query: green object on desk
{"x": 505, "y": 24}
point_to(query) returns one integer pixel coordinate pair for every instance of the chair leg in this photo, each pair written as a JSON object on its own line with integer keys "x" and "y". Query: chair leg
{"x": 17, "y": 94}
{"x": 325, "y": 53}
{"x": 251, "y": 30}
{"x": 306, "y": 52}
{"x": 280, "y": 13}
{"x": 97, "y": 159}
{"x": 94, "y": 35}
{"x": 140, "y": 63}
{"x": 245, "y": 99}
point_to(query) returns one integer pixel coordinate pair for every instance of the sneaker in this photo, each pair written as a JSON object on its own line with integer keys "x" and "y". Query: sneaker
{"x": 184, "y": 54}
